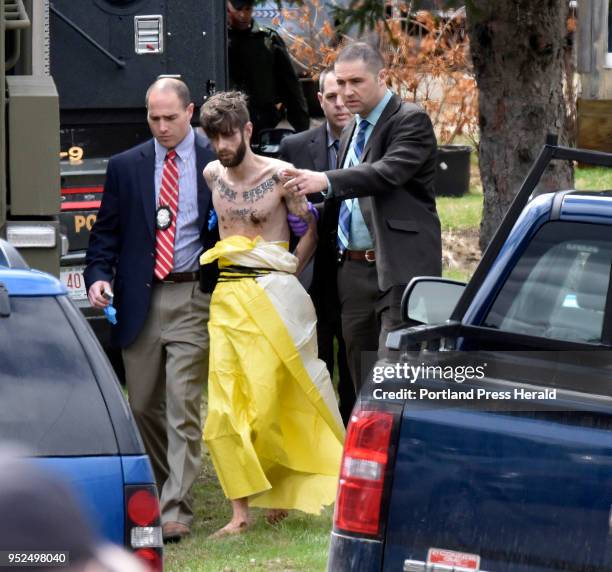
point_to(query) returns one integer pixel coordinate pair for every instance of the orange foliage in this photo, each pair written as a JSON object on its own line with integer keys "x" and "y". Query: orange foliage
{"x": 427, "y": 61}
{"x": 430, "y": 66}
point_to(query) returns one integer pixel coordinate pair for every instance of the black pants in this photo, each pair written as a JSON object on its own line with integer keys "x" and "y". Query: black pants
{"x": 367, "y": 314}
{"x": 329, "y": 327}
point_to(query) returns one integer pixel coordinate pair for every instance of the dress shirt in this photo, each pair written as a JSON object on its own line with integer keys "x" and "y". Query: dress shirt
{"x": 187, "y": 245}
{"x": 360, "y": 238}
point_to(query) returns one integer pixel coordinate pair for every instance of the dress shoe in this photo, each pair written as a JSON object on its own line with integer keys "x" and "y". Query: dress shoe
{"x": 175, "y": 531}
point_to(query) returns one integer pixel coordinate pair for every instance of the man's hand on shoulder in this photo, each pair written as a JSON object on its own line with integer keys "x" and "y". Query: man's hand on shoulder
{"x": 304, "y": 182}
{"x": 96, "y": 294}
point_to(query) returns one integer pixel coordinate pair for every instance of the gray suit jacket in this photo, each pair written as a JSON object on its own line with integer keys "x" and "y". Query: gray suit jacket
{"x": 395, "y": 187}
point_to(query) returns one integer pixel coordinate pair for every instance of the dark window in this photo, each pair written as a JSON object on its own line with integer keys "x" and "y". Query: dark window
{"x": 49, "y": 399}
{"x": 558, "y": 288}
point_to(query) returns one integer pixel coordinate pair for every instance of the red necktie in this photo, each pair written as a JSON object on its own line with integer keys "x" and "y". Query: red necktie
{"x": 168, "y": 197}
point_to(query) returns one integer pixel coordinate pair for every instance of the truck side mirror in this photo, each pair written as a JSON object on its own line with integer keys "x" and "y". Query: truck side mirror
{"x": 430, "y": 300}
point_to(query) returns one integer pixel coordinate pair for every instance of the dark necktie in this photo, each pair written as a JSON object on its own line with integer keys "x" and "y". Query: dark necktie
{"x": 335, "y": 146}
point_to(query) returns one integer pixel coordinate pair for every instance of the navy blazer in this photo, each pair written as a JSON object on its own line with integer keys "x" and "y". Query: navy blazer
{"x": 122, "y": 241}
{"x": 308, "y": 150}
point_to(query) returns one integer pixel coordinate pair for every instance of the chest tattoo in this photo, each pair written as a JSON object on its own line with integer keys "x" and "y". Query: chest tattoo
{"x": 258, "y": 192}
{"x": 224, "y": 190}
{"x": 240, "y": 214}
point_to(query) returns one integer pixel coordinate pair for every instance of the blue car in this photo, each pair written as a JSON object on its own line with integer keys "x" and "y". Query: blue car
{"x": 61, "y": 402}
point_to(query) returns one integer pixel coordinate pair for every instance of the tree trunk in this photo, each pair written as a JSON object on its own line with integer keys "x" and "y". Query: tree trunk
{"x": 519, "y": 50}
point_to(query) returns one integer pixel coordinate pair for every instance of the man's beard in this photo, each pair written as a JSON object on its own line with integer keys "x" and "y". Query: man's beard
{"x": 236, "y": 157}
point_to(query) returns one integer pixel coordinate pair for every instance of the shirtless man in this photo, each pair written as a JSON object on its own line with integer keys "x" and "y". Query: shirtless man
{"x": 249, "y": 194}
{"x": 273, "y": 428}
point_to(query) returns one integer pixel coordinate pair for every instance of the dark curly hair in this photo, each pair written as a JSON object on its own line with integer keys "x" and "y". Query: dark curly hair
{"x": 223, "y": 113}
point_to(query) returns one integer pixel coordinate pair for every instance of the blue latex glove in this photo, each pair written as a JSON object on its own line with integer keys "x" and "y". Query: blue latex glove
{"x": 111, "y": 313}
{"x": 212, "y": 219}
{"x": 299, "y": 226}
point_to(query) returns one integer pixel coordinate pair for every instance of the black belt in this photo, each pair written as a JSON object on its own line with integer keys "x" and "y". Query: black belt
{"x": 175, "y": 277}
{"x": 236, "y": 272}
{"x": 357, "y": 255}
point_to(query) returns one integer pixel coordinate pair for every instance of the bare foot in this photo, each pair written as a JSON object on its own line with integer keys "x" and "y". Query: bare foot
{"x": 230, "y": 529}
{"x": 276, "y": 515}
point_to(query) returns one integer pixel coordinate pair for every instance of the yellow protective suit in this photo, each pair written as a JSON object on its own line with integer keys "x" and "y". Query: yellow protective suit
{"x": 273, "y": 428}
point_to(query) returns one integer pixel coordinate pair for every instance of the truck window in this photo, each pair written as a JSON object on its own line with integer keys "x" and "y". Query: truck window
{"x": 50, "y": 401}
{"x": 559, "y": 286}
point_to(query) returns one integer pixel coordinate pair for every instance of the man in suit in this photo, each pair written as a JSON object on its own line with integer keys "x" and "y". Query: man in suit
{"x": 317, "y": 149}
{"x": 388, "y": 229}
{"x": 149, "y": 234}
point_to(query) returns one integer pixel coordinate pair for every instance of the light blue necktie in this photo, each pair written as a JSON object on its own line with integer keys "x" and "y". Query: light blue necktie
{"x": 346, "y": 208}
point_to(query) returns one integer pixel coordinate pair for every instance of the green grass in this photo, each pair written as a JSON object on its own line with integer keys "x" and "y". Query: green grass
{"x": 299, "y": 543}
{"x": 593, "y": 178}
{"x": 460, "y": 220}
{"x": 460, "y": 213}
{"x": 463, "y": 213}
{"x": 457, "y": 274}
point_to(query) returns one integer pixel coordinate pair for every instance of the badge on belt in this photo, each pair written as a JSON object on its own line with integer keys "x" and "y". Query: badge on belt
{"x": 163, "y": 217}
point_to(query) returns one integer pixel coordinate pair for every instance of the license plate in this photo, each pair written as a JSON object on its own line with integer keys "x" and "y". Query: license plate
{"x": 72, "y": 278}
{"x": 458, "y": 560}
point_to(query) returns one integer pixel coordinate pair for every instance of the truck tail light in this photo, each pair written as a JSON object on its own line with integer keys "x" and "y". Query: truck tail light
{"x": 362, "y": 475}
{"x": 143, "y": 525}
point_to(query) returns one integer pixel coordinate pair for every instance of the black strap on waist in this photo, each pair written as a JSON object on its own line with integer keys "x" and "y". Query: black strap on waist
{"x": 232, "y": 273}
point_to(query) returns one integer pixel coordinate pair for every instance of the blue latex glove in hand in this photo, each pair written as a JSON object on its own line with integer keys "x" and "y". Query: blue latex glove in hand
{"x": 299, "y": 226}
{"x": 111, "y": 314}
{"x": 212, "y": 219}
{"x": 109, "y": 311}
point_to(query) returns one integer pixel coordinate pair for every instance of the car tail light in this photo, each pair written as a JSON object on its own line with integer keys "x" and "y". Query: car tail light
{"x": 143, "y": 525}
{"x": 362, "y": 475}
{"x": 151, "y": 557}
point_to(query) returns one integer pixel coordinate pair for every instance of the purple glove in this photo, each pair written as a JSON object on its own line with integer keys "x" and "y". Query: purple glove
{"x": 299, "y": 226}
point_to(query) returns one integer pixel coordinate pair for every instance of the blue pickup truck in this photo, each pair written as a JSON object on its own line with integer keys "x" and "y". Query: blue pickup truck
{"x": 520, "y": 480}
